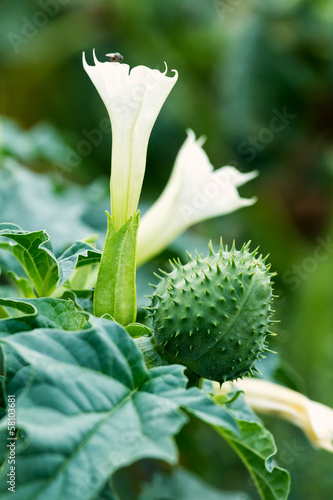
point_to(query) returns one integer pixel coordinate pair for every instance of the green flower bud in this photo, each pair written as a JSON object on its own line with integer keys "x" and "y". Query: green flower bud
{"x": 213, "y": 314}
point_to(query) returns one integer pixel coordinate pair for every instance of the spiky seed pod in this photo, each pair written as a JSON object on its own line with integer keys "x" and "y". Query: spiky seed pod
{"x": 213, "y": 314}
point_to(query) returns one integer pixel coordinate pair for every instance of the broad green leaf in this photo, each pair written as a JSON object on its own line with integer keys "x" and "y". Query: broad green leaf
{"x": 31, "y": 201}
{"x": 77, "y": 255}
{"x": 181, "y": 484}
{"x": 34, "y": 252}
{"x": 28, "y": 314}
{"x": 256, "y": 448}
{"x": 115, "y": 292}
{"x": 86, "y": 406}
{"x": 165, "y": 381}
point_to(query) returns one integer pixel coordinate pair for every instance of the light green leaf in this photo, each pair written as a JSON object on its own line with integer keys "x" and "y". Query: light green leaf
{"x": 115, "y": 292}
{"x": 3, "y": 313}
{"x": 86, "y": 406}
{"x": 23, "y": 284}
{"x": 181, "y": 484}
{"x": 28, "y": 314}
{"x": 77, "y": 255}
{"x": 21, "y": 307}
{"x": 34, "y": 252}
{"x": 256, "y": 448}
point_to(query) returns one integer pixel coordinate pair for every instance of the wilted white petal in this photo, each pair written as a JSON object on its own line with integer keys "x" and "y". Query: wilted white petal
{"x": 315, "y": 419}
{"x": 133, "y": 99}
{"x": 195, "y": 192}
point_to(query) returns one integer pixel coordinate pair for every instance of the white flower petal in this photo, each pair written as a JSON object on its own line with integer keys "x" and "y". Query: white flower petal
{"x": 195, "y": 192}
{"x": 133, "y": 99}
{"x": 315, "y": 419}
{"x": 239, "y": 178}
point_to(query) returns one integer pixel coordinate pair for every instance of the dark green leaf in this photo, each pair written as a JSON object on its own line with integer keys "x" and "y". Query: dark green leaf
{"x": 87, "y": 406}
{"x": 28, "y": 314}
{"x": 34, "y": 252}
{"x": 256, "y": 447}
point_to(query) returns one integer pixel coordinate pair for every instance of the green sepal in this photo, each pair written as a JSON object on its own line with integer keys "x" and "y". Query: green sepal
{"x": 115, "y": 292}
{"x": 138, "y": 330}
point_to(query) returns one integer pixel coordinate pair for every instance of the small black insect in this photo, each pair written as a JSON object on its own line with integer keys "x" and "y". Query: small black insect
{"x": 116, "y": 57}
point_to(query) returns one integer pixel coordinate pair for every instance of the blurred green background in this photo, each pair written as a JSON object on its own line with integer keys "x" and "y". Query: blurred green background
{"x": 240, "y": 64}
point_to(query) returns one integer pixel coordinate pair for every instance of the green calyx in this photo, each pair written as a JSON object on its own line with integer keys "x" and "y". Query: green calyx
{"x": 213, "y": 314}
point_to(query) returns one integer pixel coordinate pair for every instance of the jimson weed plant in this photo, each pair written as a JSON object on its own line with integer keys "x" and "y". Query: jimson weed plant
{"x": 85, "y": 389}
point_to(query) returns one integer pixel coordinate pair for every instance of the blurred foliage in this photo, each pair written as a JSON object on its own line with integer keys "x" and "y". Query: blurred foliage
{"x": 240, "y": 63}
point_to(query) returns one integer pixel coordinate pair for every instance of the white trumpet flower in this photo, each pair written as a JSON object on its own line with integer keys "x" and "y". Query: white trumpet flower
{"x": 315, "y": 419}
{"x": 133, "y": 100}
{"x": 195, "y": 192}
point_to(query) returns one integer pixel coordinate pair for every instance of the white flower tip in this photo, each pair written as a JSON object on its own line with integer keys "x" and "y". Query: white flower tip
{"x": 191, "y": 136}
{"x": 201, "y": 141}
{"x": 172, "y": 71}
{"x": 96, "y": 61}
{"x": 175, "y": 73}
{"x": 84, "y": 60}
{"x": 85, "y": 65}
{"x": 247, "y": 202}
{"x": 236, "y": 177}
{"x": 251, "y": 175}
